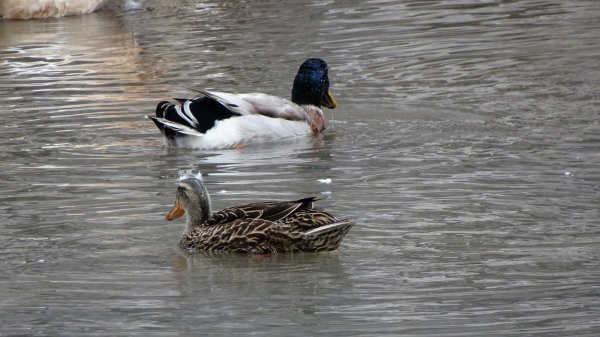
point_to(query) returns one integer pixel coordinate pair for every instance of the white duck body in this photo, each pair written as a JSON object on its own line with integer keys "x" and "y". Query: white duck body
{"x": 257, "y": 118}
{"x": 40, "y": 9}
{"x": 238, "y": 131}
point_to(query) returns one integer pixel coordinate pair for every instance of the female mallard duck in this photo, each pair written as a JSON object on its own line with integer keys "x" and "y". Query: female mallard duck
{"x": 259, "y": 228}
{"x": 225, "y": 120}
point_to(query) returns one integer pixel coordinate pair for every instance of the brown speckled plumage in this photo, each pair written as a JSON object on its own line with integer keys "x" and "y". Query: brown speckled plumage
{"x": 259, "y": 228}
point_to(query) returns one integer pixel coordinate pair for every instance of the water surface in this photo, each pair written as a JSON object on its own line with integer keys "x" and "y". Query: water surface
{"x": 465, "y": 144}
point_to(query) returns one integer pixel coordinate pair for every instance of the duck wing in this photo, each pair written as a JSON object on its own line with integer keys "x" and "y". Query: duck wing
{"x": 258, "y": 104}
{"x": 269, "y": 211}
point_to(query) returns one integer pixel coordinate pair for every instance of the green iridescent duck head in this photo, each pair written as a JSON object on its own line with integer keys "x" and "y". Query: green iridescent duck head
{"x": 311, "y": 85}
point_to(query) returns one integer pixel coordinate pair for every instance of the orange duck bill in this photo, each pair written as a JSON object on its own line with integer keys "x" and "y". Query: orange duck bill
{"x": 176, "y": 212}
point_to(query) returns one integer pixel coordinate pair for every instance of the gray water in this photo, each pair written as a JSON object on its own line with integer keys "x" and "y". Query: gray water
{"x": 466, "y": 145}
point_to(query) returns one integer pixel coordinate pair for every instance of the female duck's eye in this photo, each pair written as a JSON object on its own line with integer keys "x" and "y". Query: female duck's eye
{"x": 181, "y": 193}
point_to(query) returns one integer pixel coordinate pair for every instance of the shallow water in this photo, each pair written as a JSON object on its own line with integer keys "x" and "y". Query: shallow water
{"x": 465, "y": 144}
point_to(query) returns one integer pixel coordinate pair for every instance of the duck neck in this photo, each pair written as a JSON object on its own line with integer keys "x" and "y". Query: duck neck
{"x": 199, "y": 214}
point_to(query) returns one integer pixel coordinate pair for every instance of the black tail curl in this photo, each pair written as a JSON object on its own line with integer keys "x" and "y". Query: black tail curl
{"x": 199, "y": 113}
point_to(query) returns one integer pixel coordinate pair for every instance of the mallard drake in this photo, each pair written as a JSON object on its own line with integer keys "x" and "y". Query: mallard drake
{"x": 259, "y": 228}
{"x": 225, "y": 120}
{"x": 39, "y": 9}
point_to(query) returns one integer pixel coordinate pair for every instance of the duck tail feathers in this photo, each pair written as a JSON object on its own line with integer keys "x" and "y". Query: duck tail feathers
{"x": 180, "y": 113}
{"x": 340, "y": 226}
{"x": 172, "y": 129}
{"x": 200, "y": 113}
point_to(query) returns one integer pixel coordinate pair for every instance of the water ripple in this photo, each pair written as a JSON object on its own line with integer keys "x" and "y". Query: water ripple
{"x": 465, "y": 145}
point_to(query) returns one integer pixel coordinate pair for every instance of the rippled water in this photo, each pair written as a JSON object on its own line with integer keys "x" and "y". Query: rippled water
{"x": 465, "y": 144}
